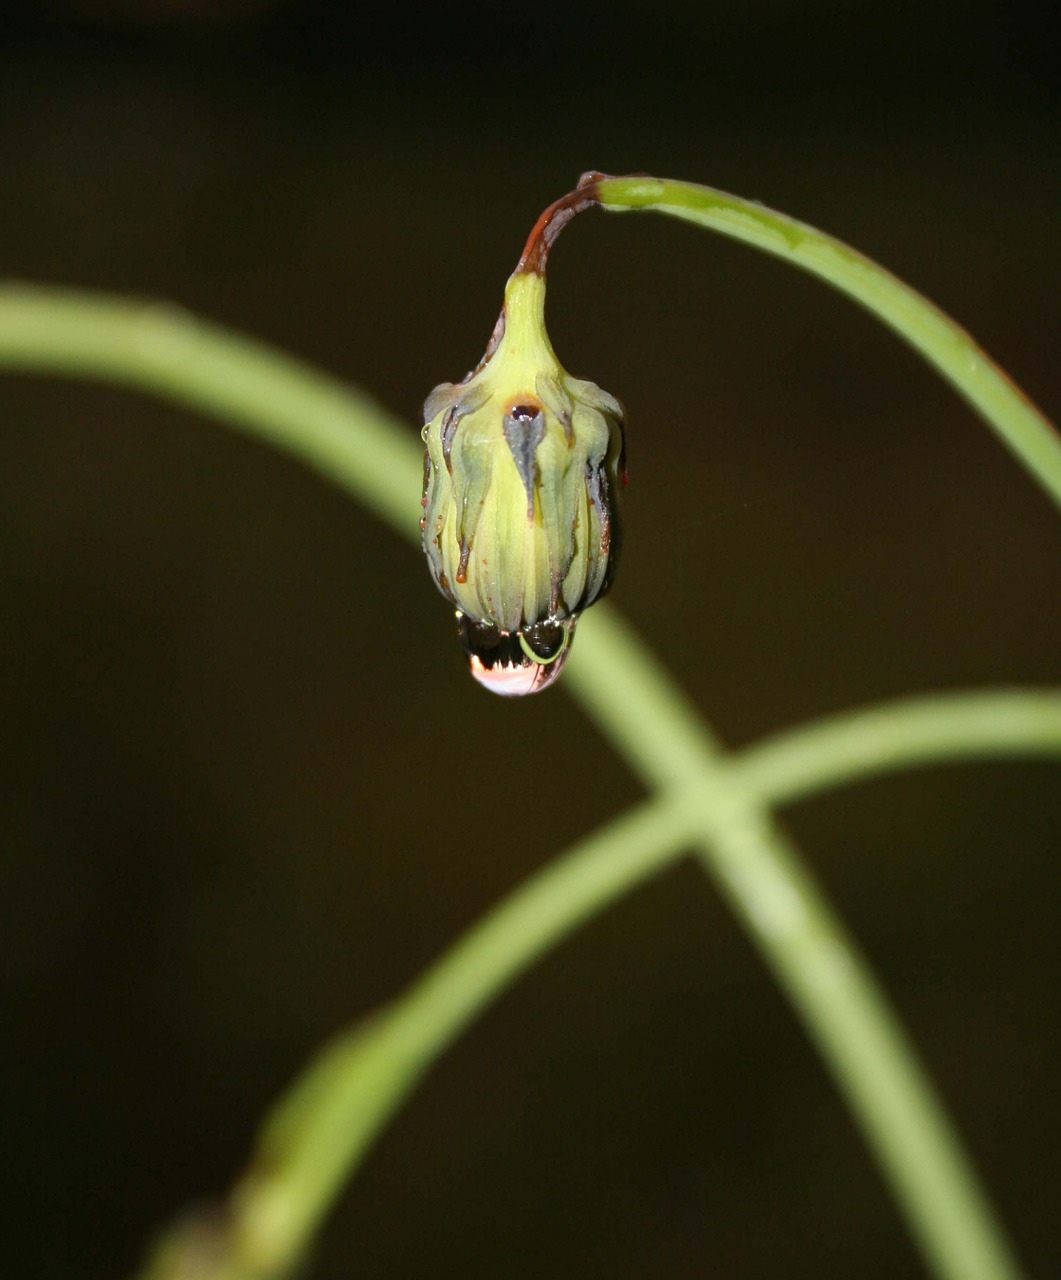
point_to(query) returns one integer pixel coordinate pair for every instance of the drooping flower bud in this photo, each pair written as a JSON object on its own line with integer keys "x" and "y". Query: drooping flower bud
{"x": 522, "y": 473}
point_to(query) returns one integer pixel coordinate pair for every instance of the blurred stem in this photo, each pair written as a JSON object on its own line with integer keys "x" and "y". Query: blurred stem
{"x": 802, "y": 941}
{"x": 322, "y": 1129}
{"x": 937, "y": 729}
{"x": 334, "y": 429}
{"x": 317, "y": 1136}
{"x": 943, "y": 343}
{"x": 347, "y": 438}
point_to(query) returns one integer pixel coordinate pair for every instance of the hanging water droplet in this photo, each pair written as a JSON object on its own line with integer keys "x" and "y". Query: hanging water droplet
{"x": 514, "y": 663}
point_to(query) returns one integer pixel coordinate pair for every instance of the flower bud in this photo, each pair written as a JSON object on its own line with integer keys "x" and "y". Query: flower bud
{"x": 521, "y": 478}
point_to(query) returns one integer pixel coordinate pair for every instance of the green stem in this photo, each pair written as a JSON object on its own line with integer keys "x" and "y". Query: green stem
{"x": 809, "y": 952}
{"x": 348, "y": 439}
{"x": 323, "y": 1128}
{"x": 942, "y": 342}
{"x": 335, "y": 430}
{"x": 938, "y": 729}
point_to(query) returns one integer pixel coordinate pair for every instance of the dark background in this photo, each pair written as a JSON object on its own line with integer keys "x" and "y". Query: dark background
{"x": 222, "y": 834}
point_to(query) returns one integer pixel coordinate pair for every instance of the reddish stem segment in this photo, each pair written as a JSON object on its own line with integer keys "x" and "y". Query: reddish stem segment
{"x": 555, "y": 218}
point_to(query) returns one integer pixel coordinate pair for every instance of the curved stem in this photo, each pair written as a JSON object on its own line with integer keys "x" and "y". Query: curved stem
{"x": 551, "y": 222}
{"x": 806, "y": 947}
{"x": 942, "y": 342}
{"x": 322, "y": 1128}
{"x": 348, "y": 439}
{"x": 318, "y": 1135}
{"x": 337, "y": 431}
{"x": 938, "y": 729}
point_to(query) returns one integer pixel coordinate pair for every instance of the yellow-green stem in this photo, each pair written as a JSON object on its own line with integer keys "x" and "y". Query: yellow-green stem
{"x": 944, "y": 344}
{"x": 809, "y": 952}
{"x": 347, "y": 438}
{"x": 319, "y": 1134}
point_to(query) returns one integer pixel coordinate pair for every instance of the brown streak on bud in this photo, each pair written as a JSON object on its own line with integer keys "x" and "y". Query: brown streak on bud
{"x": 449, "y": 430}
{"x": 462, "y": 567}
{"x": 491, "y": 346}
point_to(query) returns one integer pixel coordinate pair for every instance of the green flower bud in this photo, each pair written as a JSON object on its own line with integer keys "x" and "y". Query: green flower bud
{"x": 522, "y": 473}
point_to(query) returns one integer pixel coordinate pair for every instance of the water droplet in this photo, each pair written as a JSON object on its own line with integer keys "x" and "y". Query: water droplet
{"x": 514, "y": 663}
